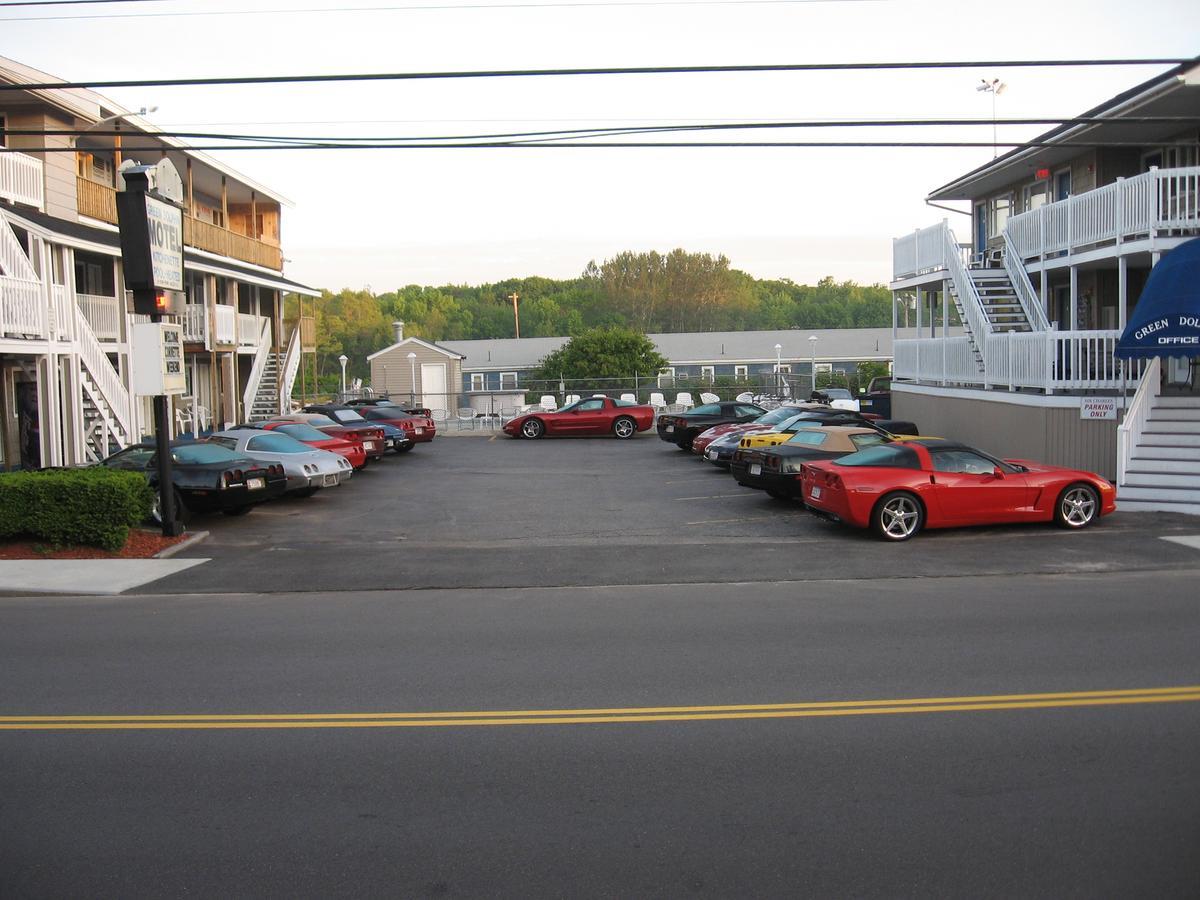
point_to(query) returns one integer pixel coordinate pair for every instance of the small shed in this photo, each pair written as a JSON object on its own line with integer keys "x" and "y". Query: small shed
{"x": 418, "y": 370}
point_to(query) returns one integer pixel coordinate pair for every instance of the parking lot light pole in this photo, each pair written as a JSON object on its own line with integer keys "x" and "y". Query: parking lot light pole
{"x": 778, "y": 366}
{"x": 812, "y": 343}
{"x": 343, "y": 359}
{"x": 412, "y": 384}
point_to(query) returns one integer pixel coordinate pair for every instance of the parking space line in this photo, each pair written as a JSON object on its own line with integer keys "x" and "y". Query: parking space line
{"x": 713, "y": 497}
{"x": 1187, "y": 540}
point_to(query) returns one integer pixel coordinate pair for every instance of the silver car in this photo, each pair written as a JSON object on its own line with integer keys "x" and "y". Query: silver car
{"x": 307, "y": 468}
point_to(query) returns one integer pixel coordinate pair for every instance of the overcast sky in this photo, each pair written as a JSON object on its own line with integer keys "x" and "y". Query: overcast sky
{"x": 387, "y": 218}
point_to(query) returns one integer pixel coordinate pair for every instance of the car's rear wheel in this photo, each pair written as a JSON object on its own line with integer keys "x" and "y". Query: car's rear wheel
{"x": 533, "y": 429}
{"x": 624, "y": 428}
{"x": 686, "y": 443}
{"x": 405, "y": 449}
{"x": 776, "y": 495}
{"x": 1078, "y": 507}
{"x": 898, "y": 516}
{"x": 238, "y": 510}
{"x": 305, "y": 492}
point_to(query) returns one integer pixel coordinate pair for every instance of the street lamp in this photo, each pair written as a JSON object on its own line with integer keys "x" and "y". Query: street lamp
{"x": 995, "y": 87}
{"x": 812, "y": 345}
{"x": 412, "y": 365}
{"x": 778, "y": 364}
{"x": 343, "y": 359}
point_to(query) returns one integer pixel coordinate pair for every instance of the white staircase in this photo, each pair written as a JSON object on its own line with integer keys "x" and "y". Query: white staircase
{"x": 1163, "y": 468}
{"x": 999, "y": 300}
{"x": 266, "y": 398}
{"x": 107, "y": 421}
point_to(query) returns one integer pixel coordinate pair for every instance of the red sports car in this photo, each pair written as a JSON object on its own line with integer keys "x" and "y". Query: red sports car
{"x": 898, "y": 489}
{"x": 305, "y": 433}
{"x": 593, "y": 415}
{"x": 370, "y": 437}
{"x": 420, "y": 429}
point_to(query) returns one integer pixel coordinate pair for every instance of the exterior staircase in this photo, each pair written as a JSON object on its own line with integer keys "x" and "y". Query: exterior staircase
{"x": 999, "y": 299}
{"x": 266, "y": 397}
{"x": 1163, "y": 473}
{"x": 107, "y": 423}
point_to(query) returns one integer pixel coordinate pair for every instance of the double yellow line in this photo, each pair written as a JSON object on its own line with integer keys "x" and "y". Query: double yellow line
{"x": 605, "y": 716}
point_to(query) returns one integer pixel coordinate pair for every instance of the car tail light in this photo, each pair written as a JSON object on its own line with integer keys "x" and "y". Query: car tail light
{"x": 771, "y": 462}
{"x": 276, "y": 469}
{"x": 833, "y": 480}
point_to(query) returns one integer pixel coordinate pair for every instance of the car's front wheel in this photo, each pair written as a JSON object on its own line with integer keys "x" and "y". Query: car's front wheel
{"x": 624, "y": 428}
{"x": 898, "y": 516}
{"x": 533, "y": 429}
{"x": 1078, "y": 507}
{"x": 182, "y": 513}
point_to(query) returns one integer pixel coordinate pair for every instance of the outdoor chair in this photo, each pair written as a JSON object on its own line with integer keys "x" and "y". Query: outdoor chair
{"x": 744, "y": 397}
{"x": 709, "y": 398}
{"x": 675, "y": 408}
{"x": 439, "y": 416}
{"x": 507, "y": 414}
{"x": 657, "y": 400}
{"x": 684, "y": 399}
{"x": 571, "y": 398}
{"x": 548, "y": 403}
{"x": 629, "y": 398}
{"x": 466, "y": 418}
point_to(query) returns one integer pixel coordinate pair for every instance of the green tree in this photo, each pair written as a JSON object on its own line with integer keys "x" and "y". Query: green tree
{"x": 601, "y": 353}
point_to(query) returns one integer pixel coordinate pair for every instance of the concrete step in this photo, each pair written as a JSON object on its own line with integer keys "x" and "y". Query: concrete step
{"x": 1177, "y": 402}
{"x": 1173, "y": 426}
{"x": 1159, "y": 506}
{"x": 1157, "y": 494}
{"x": 1166, "y": 451}
{"x": 1160, "y": 464}
{"x": 1163, "y": 438}
{"x": 1167, "y": 480}
{"x": 1175, "y": 413}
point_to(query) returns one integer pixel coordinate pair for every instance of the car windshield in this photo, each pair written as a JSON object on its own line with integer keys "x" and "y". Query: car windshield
{"x": 809, "y": 438}
{"x": 384, "y": 412}
{"x": 709, "y": 409}
{"x": 778, "y": 416}
{"x": 888, "y": 456}
{"x": 838, "y": 394}
{"x": 208, "y": 452}
{"x": 318, "y": 421}
{"x": 346, "y": 415}
{"x": 276, "y": 443}
{"x": 302, "y": 432}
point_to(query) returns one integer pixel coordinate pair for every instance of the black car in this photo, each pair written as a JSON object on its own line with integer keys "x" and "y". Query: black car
{"x": 681, "y": 429}
{"x": 776, "y": 469}
{"x": 207, "y": 477}
{"x": 409, "y": 408}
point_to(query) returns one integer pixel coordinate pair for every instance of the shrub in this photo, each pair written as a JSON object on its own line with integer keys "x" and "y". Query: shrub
{"x": 74, "y": 506}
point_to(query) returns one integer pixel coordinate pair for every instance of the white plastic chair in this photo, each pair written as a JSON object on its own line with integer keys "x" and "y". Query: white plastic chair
{"x": 599, "y": 395}
{"x": 571, "y": 398}
{"x": 548, "y": 403}
{"x": 657, "y": 400}
{"x": 684, "y": 399}
{"x": 744, "y": 397}
{"x": 709, "y": 398}
{"x": 507, "y": 414}
{"x": 630, "y": 398}
{"x": 466, "y": 418}
{"x": 439, "y": 416}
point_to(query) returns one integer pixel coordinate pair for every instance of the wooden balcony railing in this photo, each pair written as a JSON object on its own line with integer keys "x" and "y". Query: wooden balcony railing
{"x": 308, "y": 333}
{"x": 98, "y": 201}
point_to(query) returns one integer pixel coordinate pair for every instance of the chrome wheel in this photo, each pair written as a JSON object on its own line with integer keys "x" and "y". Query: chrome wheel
{"x": 898, "y": 517}
{"x": 533, "y": 428}
{"x": 624, "y": 428}
{"x": 1078, "y": 506}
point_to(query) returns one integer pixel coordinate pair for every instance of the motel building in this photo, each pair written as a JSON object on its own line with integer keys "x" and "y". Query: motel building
{"x": 65, "y": 322}
{"x": 1006, "y": 319}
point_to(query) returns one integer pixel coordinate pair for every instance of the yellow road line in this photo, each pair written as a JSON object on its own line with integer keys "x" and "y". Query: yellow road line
{"x": 611, "y": 716}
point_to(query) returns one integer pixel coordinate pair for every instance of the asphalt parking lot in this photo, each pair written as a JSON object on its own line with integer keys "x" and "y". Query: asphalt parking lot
{"x": 478, "y": 512}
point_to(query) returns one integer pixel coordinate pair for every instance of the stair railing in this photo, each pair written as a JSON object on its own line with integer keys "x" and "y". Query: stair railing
{"x": 1137, "y": 415}
{"x": 970, "y": 305}
{"x": 1023, "y": 287}
{"x": 262, "y": 351}
{"x": 291, "y": 367}
{"x": 105, "y": 377}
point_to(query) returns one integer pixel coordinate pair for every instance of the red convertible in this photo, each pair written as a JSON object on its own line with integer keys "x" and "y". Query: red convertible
{"x": 898, "y": 489}
{"x": 593, "y": 415}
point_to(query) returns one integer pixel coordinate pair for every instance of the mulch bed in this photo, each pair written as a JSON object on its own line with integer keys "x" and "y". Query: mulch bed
{"x": 141, "y": 544}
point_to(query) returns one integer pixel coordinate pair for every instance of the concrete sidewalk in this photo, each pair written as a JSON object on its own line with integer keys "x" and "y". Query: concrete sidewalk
{"x": 85, "y": 576}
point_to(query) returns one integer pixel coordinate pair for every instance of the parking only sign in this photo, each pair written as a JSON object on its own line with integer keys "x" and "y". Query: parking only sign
{"x": 1098, "y": 408}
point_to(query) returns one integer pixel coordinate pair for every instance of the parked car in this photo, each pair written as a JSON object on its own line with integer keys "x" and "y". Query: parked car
{"x": 419, "y": 429}
{"x": 878, "y": 397}
{"x": 591, "y": 415}
{"x": 681, "y": 429}
{"x": 370, "y": 436}
{"x": 313, "y": 437}
{"x": 839, "y": 398}
{"x": 307, "y": 468}
{"x": 205, "y": 476}
{"x": 776, "y": 469}
{"x": 829, "y": 417}
{"x": 413, "y": 410}
{"x": 769, "y": 421}
{"x": 899, "y": 488}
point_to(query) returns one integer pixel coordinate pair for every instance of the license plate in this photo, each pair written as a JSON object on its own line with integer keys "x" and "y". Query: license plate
{"x": 712, "y": 454}
{"x": 370, "y": 445}
{"x": 330, "y": 480}
{"x": 815, "y": 493}
{"x": 864, "y": 402}
{"x": 418, "y": 431}
{"x": 755, "y": 469}
{"x": 255, "y": 484}
{"x": 670, "y": 428}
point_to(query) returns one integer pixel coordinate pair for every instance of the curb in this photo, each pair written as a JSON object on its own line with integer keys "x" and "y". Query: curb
{"x": 182, "y": 545}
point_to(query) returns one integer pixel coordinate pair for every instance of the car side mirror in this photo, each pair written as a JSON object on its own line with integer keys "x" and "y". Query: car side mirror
{"x": 997, "y": 472}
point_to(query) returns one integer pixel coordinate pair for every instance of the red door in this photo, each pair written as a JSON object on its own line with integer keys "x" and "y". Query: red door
{"x": 968, "y": 491}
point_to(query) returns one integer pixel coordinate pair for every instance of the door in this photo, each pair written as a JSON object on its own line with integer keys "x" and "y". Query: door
{"x": 587, "y": 417}
{"x": 969, "y": 492}
{"x": 433, "y": 386}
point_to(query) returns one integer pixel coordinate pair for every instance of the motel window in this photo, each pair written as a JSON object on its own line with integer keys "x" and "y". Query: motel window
{"x": 1034, "y": 195}
{"x": 708, "y": 373}
{"x": 477, "y": 381}
{"x": 94, "y": 275}
{"x": 508, "y": 381}
{"x": 998, "y": 210}
{"x": 784, "y": 369}
{"x": 740, "y": 371}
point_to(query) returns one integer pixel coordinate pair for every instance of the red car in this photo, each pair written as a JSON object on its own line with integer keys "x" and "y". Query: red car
{"x": 307, "y": 434}
{"x": 370, "y": 438}
{"x": 420, "y": 429}
{"x": 898, "y": 489}
{"x": 593, "y": 415}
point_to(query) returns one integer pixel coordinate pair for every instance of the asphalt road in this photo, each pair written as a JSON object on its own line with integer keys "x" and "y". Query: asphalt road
{"x": 565, "y": 576}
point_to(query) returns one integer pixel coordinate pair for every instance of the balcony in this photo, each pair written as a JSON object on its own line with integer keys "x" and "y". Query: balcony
{"x": 103, "y": 315}
{"x": 21, "y": 180}
{"x": 98, "y": 201}
{"x": 22, "y": 309}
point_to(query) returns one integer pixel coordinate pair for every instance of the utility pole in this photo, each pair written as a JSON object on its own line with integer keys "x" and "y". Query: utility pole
{"x": 514, "y": 297}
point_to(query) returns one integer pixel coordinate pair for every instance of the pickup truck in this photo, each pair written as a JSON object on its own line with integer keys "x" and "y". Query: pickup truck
{"x": 878, "y": 397}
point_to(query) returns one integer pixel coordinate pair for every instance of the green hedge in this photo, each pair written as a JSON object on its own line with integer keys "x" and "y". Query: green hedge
{"x": 74, "y": 506}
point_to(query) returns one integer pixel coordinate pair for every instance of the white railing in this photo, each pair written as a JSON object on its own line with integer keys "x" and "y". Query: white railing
{"x": 1158, "y": 200}
{"x": 291, "y": 366}
{"x": 970, "y": 306}
{"x": 249, "y": 331}
{"x": 1030, "y": 302}
{"x": 21, "y": 179}
{"x": 262, "y": 350}
{"x": 63, "y": 313}
{"x": 95, "y": 361}
{"x": 925, "y": 250}
{"x": 225, "y": 320}
{"x": 195, "y": 324}
{"x": 1042, "y": 360}
{"x": 1129, "y": 432}
{"x": 13, "y": 260}
{"x": 22, "y": 309}
{"x": 103, "y": 315}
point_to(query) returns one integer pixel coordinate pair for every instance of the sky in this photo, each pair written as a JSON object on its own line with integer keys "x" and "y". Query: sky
{"x": 387, "y": 218}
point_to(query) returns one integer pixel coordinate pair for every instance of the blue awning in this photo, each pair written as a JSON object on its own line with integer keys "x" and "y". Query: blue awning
{"x": 1166, "y": 320}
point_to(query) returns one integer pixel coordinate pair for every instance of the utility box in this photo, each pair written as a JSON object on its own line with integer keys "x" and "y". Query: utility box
{"x": 158, "y": 359}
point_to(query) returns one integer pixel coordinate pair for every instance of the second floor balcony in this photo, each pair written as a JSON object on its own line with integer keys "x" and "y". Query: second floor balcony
{"x": 98, "y": 201}
{"x": 21, "y": 179}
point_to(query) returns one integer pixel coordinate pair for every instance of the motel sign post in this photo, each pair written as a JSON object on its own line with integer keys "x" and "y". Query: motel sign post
{"x": 150, "y": 219}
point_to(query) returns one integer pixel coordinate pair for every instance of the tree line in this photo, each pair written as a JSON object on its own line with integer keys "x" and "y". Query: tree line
{"x": 647, "y": 292}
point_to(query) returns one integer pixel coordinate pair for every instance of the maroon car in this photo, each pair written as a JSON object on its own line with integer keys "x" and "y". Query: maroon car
{"x": 419, "y": 429}
{"x": 592, "y": 415}
{"x": 373, "y": 442}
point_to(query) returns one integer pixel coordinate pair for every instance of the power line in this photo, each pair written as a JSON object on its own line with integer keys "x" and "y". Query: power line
{"x": 68, "y": 3}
